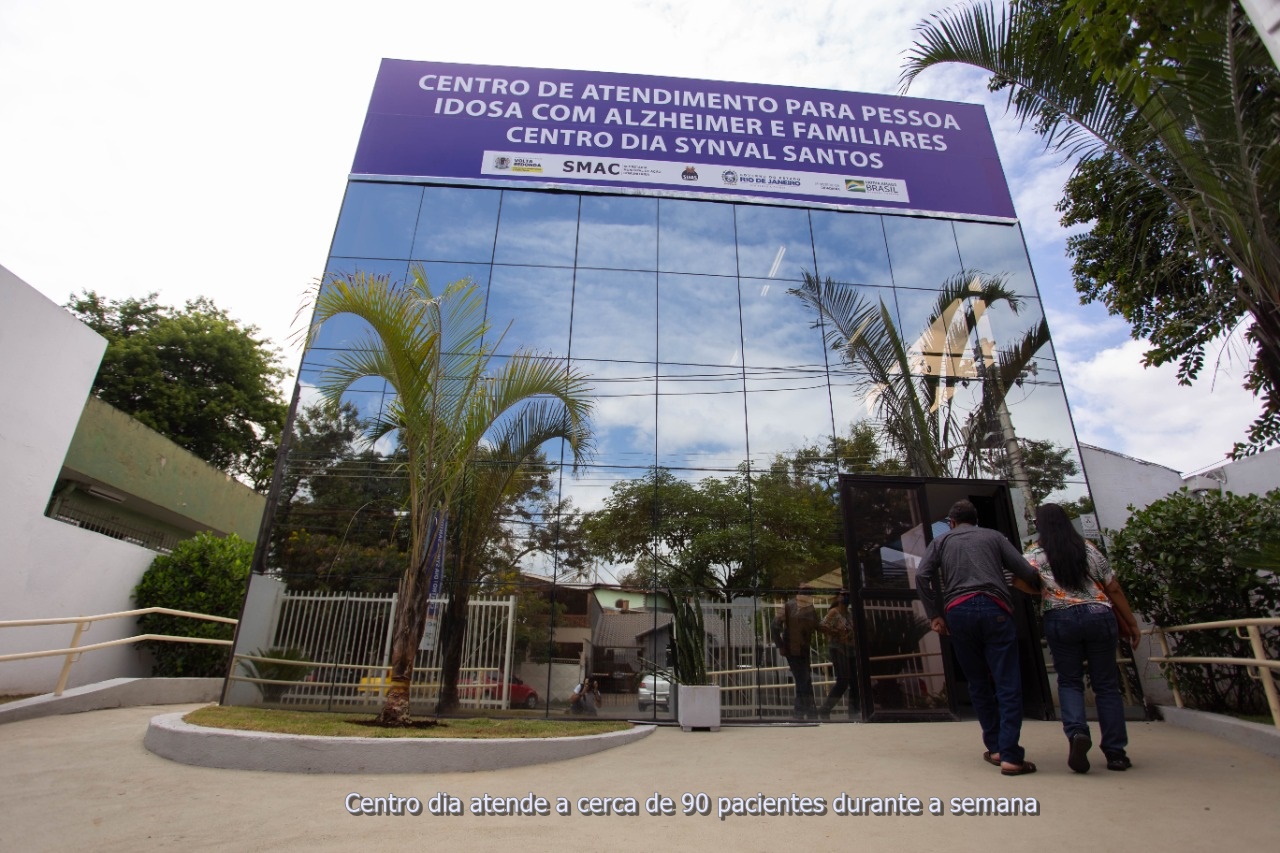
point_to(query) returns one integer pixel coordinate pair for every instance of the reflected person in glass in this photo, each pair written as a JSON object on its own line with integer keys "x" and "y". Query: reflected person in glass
{"x": 794, "y": 629}
{"x": 837, "y": 625}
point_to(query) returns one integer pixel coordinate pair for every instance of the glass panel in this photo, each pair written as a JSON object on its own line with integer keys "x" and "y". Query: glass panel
{"x": 457, "y": 224}
{"x": 698, "y": 320}
{"x": 343, "y": 330}
{"x": 778, "y": 329}
{"x": 701, "y": 422}
{"x": 773, "y": 242}
{"x": 905, "y": 657}
{"x": 377, "y": 221}
{"x": 536, "y": 302}
{"x": 786, "y": 411}
{"x": 996, "y": 250}
{"x": 537, "y": 229}
{"x": 887, "y": 531}
{"x": 614, "y": 316}
{"x": 922, "y": 251}
{"x": 850, "y": 247}
{"x": 696, "y": 237}
{"x": 618, "y": 233}
{"x": 624, "y": 416}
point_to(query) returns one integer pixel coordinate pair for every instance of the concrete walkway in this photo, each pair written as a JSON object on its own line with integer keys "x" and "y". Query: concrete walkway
{"x": 85, "y": 782}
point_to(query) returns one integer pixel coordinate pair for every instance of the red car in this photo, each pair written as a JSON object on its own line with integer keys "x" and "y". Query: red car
{"x": 489, "y": 686}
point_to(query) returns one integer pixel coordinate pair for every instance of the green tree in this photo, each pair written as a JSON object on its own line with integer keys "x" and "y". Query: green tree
{"x": 197, "y": 376}
{"x": 1173, "y": 107}
{"x": 204, "y": 574}
{"x": 1186, "y": 559}
{"x": 452, "y": 397}
{"x": 1047, "y": 467}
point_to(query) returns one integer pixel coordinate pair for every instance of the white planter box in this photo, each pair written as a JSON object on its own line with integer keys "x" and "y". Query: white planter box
{"x": 698, "y": 706}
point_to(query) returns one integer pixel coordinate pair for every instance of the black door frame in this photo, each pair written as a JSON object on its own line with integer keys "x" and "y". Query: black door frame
{"x": 995, "y": 508}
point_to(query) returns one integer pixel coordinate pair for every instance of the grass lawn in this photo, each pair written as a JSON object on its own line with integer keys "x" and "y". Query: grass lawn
{"x": 357, "y": 725}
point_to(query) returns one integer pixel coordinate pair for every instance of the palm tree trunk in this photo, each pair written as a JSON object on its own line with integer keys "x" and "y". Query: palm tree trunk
{"x": 454, "y": 634}
{"x": 407, "y": 630}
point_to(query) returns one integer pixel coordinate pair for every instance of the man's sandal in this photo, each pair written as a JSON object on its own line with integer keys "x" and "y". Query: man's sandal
{"x": 991, "y": 758}
{"x": 1021, "y": 770}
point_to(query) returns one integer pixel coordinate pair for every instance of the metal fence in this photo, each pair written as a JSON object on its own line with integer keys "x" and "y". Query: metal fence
{"x": 332, "y": 651}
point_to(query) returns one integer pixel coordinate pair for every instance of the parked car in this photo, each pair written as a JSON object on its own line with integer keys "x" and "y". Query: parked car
{"x": 655, "y": 690}
{"x": 489, "y": 686}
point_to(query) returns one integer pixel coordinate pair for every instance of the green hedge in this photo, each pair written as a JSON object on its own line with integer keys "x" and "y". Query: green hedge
{"x": 204, "y": 574}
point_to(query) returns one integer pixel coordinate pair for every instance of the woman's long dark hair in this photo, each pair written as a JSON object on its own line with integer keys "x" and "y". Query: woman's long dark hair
{"x": 1063, "y": 546}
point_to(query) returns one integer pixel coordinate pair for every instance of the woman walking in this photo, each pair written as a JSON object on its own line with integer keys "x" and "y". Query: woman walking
{"x": 1085, "y": 611}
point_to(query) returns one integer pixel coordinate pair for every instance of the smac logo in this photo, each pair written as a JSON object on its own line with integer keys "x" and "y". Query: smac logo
{"x": 590, "y": 167}
{"x": 689, "y": 174}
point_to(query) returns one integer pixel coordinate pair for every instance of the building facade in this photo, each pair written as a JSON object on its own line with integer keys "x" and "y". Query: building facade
{"x": 767, "y": 286}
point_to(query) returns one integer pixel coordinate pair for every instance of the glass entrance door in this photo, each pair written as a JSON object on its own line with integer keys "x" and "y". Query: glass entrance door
{"x": 907, "y": 670}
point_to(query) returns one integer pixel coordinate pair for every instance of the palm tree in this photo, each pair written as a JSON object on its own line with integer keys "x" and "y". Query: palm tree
{"x": 450, "y": 401}
{"x": 911, "y": 385}
{"x": 1201, "y": 102}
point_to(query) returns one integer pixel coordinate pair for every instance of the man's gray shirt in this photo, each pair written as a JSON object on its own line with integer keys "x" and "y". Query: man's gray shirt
{"x": 972, "y": 560}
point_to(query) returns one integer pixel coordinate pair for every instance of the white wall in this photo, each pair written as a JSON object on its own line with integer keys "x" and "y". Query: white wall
{"x": 48, "y": 360}
{"x": 1253, "y": 475}
{"x": 1116, "y": 481}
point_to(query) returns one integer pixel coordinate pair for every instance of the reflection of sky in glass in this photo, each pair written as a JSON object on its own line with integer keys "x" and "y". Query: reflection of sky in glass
{"x": 698, "y": 320}
{"x": 923, "y": 251}
{"x": 457, "y": 224}
{"x": 537, "y": 229}
{"x": 344, "y": 330}
{"x": 996, "y": 249}
{"x": 618, "y": 233}
{"x": 773, "y": 242}
{"x": 613, "y": 315}
{"x": 535, "y": 301}
{"x": 715, "y": 333}
{"x": 996, "y": 322}
{"x": 696, "y": 237}
{"x": 701, "y": 422}
{"x": 850, "y": 247}
{"x": 377, "y": 220}
{"x": 777, "y": 328}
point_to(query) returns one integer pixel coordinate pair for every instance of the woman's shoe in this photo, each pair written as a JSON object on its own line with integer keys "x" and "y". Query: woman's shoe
{"x": 1119, "y": 762}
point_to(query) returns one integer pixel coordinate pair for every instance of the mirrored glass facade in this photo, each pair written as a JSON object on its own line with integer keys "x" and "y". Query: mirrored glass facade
{"x": 741, "y": 356}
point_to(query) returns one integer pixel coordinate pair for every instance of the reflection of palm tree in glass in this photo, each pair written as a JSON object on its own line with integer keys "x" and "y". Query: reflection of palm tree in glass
{"x": 450, "y": 400}
{"x": 910, "y": 386}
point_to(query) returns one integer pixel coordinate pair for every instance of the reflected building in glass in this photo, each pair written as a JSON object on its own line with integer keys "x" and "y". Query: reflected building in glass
{"x": 787, "y": 301}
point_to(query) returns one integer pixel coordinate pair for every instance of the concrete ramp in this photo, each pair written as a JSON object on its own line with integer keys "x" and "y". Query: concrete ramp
{"x": 115, "y": 693}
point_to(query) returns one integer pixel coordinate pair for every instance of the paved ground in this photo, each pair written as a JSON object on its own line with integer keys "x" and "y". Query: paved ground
{"x": 85, "y": 782}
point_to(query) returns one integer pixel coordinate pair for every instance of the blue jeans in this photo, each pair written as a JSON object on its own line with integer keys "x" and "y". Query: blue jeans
{"x": 986, "y": 644}
{"x": 805, "y": 706}
{"x": 1088, "y": 632}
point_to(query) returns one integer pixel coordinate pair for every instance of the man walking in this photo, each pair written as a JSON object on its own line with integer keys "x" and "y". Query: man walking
{"x": 975, "y": 608}
{"x": 794, "y": 629}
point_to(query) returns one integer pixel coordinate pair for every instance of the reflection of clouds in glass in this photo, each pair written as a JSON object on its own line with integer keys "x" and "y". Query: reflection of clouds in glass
{"x": 696, "y": 237}
{"x": 923, "y": 251}
{"x": 701, "y": 421}
{"x": 777, "y": 327}
{"x": 698, "y": 322}
{"x": 377, "y": 220}
{"x": 535, "y": 301}
{"x": 457, "y": 224}
{"x": 618, "y": 233}
{"x": 784, "y": 416}
{"x": 537, "y": 229}
{"x": 850, "y": 247}
{"x": 996, "y": 250}
{"x": 613, "y": 315}
{"x": 762, "y": 231}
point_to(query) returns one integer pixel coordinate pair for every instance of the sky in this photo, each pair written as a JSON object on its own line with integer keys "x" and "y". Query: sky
{"x": 193, "y": 150}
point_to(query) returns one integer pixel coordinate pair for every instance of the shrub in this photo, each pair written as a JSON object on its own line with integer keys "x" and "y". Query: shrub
{"x": 204, "y": 574}
{"x": 1186, "y": 559}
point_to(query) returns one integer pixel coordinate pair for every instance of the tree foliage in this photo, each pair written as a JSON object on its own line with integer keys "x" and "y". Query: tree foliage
{"x": 1172, "y": 108}
{"x": 194, "y": 375}
{"x": 1186, "y": 559}
{"x": 204, "y": 574}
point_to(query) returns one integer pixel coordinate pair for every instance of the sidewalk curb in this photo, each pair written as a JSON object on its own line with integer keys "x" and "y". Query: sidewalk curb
{"x": 1256, "y": 736}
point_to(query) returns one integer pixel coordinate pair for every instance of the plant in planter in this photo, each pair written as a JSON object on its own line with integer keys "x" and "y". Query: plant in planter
{"x": 697, "y": 699}
{"x": 277, "y": 670}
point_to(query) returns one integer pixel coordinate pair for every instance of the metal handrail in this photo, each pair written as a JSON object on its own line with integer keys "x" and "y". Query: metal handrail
{"x": 82, "y": 623}
{"x": 1254, "y": 666}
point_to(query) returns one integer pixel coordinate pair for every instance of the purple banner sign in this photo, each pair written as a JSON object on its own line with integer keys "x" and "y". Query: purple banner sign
{"x": 665, "y": 135}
